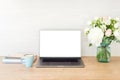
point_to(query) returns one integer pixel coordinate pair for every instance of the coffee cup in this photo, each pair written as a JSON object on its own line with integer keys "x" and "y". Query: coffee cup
{"x": 28, "y": 60}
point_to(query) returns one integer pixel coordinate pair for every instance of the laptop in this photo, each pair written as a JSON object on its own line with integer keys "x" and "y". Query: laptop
{"x": 60, "y": 48}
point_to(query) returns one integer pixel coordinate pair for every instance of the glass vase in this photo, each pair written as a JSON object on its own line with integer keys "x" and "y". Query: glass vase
{"x": 103, "y": 54}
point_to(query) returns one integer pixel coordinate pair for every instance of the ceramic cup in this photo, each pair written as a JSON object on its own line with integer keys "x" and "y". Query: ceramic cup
{"x": 28, "y": 60}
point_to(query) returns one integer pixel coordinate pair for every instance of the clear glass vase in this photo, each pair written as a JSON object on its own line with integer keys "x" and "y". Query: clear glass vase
{"x": 103, "y": 54}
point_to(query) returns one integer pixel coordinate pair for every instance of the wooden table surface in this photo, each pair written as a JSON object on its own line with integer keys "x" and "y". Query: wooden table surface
{"x": 93, "y": 71}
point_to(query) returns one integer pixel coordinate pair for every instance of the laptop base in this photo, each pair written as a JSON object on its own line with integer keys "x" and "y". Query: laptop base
{"x": 60, "y": 63}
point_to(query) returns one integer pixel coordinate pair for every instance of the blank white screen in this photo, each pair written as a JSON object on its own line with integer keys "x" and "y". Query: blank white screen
{"x": 60, "y": 43}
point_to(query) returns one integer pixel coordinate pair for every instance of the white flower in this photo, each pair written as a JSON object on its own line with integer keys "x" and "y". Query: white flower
{"x": 96, "y": 18}
{"x": 95, "y": 36}
{"x": 117, "y": 19}
{"x": 117, "y": 33}
{"x": 117, "y": 25}
{"x": 103, "y": 27}
{"x": 108, "y": 32}
{"x": 89, "y": 22}
{"x": 107, "y": 20}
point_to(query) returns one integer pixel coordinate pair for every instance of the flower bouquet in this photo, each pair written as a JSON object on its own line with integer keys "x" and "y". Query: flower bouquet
{"x": 101, "y": 32}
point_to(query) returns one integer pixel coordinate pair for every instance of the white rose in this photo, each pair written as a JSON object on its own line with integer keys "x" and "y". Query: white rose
{"x": 89, "y": 22}
{"x": 117, "y": 34}
{"x": 117, "y": 19}
{"x": 117, "y": 25}
{"x": 96, "y": 18}
{"x": 108, "y": 32}
{"x": 107, "y": 20}
{"x": 95, "y": 36}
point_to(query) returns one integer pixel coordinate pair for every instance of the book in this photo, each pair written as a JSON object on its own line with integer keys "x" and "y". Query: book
{"x": 12, "y": 60}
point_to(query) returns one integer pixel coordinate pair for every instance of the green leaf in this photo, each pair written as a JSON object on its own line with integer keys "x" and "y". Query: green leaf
{"x": 90, "y": 44}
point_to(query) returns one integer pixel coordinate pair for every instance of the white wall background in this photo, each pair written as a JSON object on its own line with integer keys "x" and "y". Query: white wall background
{"x": 21, "y": 20}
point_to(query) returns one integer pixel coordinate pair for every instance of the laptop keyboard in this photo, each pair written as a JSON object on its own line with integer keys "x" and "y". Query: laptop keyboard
{"x": 60, "y": 61}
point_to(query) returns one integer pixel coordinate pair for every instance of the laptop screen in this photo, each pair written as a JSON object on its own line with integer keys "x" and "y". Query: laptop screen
{"x": 60, "y": 43}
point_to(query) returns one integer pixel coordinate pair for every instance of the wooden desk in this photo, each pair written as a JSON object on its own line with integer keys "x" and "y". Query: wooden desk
{"x": 93, "y": 71}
